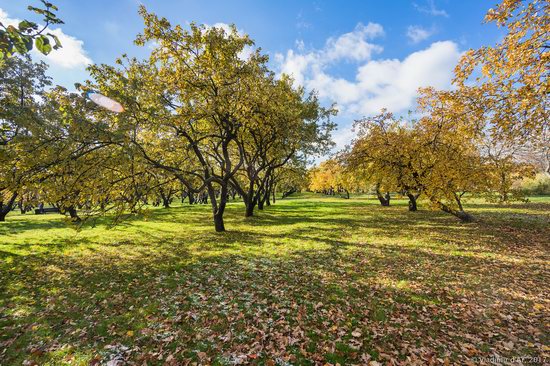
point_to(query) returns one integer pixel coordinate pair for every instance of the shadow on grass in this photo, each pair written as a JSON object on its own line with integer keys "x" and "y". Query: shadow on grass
{"x": 338, "y": 264}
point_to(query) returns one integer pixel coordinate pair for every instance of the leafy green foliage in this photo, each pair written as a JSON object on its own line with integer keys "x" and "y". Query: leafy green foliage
{"x": 27, "y": 34}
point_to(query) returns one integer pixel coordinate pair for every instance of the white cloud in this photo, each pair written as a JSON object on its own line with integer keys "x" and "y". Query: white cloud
{"x": 6, "y": 20}
{"x": 67, "y": 64}
{"x": 376, "y": 84}
{"x": 431, "y": 9}
{"x": 296, "y": 64}
{"x": 382, "y": 83}
{"x": 246, "y": 52}
{"x": 418, "y": 34}
{"x": 393, "y": 84}
{"x": 352, "y": 46}
{"x": 343, "y": 136}
{"x": 71, "y": 56}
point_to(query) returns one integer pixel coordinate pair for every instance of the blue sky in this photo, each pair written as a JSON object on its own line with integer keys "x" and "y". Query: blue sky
{"x": 363, "y": 55}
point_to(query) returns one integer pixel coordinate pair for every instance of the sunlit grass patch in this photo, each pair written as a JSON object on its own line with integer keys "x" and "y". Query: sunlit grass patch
{"x": 309, "y": 280}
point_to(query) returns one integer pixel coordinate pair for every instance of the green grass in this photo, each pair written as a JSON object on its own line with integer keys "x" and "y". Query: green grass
{"x": 310, "y": 280}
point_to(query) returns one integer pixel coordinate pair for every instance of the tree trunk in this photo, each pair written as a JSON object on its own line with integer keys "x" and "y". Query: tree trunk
{"x": 384, "y": 199}
{"x": 260, "y": 200}
{"x": 288, "y": 193}
{"x": 249, "y": 203}
{"x": 74, "y": 214}
{"x": 249, "y": 199}
{"x": 218, "y": 209}
{"x": 218, "y": 223}
{"x": 5, "y": 209}
{"x": 166, "y": 198}
{"x": 262, "y": 192}
{"x": 268, "y": 189}
{"x": 267, "y": 198}
{"x": 462, "y": 215}
{"x": 249, "y": 210}
{"x": 459, "y": 201}
{"x": 412, "y": 202}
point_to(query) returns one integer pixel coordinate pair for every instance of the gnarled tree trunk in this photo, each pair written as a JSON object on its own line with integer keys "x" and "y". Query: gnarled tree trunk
{"x": 462, "y": 215}
{"x": 74, "y": 214}
{"x": 249, "y": 203}
{"x": 384, "y": 199}
{"x": 412, "y": 201}
{"x": 6, "y": 208}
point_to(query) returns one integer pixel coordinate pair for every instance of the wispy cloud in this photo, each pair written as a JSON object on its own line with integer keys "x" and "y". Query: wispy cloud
{"x": 431, "y": 9}
{"x": 301, "y": 23}
{"x": 417, "y": 34}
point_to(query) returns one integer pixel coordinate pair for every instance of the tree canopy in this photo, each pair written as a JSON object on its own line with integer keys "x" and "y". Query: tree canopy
{"x": 199, "y": 117}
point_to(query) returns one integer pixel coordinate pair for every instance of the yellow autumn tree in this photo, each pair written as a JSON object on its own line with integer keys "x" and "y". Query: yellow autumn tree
{"x": 507, "y": 84}
{"x": 330, "y": 178}
{"x": 198, "y": 111}
{"x": 386, "y": 154}
{"x": 433, "y": 157}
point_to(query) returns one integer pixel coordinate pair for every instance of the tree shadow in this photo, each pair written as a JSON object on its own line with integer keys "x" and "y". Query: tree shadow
{"x": 352, "y": 266}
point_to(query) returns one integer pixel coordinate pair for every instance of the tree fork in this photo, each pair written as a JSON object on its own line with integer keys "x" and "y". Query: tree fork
{"x": 384, "y": 199}
{"x": 412, "y": 202}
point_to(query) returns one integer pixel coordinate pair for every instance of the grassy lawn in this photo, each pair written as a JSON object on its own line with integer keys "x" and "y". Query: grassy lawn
{"x": 311, "y": 280}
